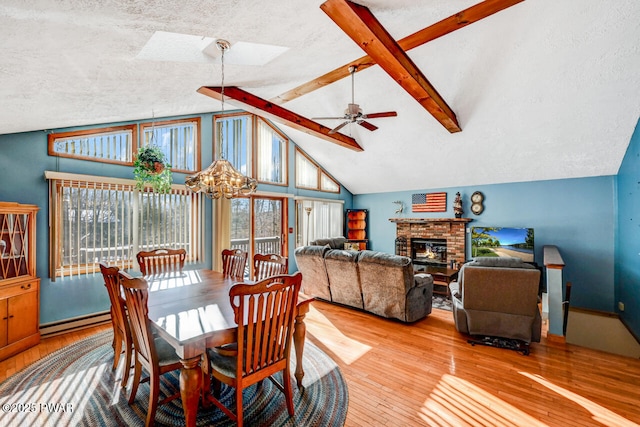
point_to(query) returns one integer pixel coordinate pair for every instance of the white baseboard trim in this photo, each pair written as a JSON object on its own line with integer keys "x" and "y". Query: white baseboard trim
{"x": 80, "y": 322}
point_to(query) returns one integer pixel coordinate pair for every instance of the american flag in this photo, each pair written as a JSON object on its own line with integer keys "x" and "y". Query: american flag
{"x": 431, "y": 202}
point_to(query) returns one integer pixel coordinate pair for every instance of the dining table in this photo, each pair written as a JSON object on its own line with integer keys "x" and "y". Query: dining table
{"x": 192, "y": 311}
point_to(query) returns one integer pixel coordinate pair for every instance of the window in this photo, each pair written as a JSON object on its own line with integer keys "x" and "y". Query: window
{"x": 99, "y": 219}
{"x": 318, "y": 219}
{"x": 179, "y": 140}
{"x": 232, "y": 139}
{"x": 311, "y": 176}
{"x": 109, "y": 145}
{"x": 271, "y": 154}
{"x": 253, "y": 146}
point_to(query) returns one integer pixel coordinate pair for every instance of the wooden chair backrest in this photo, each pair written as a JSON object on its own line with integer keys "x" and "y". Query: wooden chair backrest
{"x": 234, "y": 262}
{"x": 160, "y": 261}
{"x": 265, "y": 313}
{"x": 266, "y": 265}
{"x": 136, "y": 297}
{"x": 118, "y": 308}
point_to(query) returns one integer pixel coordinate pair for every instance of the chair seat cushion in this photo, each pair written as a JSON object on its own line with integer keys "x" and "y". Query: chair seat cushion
{"x": 222, "y": 363}
{"x": 166, "y": 354}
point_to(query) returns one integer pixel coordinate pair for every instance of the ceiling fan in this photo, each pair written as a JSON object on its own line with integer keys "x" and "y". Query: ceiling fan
{"x": 353, "y": 113}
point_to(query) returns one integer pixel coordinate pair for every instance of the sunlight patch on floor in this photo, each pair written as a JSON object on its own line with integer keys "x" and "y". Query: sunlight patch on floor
{"x": 455, "y": 401}
{"x": 343, "y": 347}
{"x": 600, "y": 414}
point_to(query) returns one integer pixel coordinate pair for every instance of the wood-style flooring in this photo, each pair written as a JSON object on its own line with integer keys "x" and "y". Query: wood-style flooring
{"x": 426, "y": 374}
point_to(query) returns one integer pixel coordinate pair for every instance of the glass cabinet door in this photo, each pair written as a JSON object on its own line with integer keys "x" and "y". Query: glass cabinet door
{"x": 14, "y": 233}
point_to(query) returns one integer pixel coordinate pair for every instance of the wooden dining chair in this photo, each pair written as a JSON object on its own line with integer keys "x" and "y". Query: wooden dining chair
{"x": 234, "y": 261}
{"x": 160, "y": 261}
{"x": 265, "y": 313}
{"x": 266, "y": 265}
{"x": 153, "y": 354}
{"x": 122, "y": 342}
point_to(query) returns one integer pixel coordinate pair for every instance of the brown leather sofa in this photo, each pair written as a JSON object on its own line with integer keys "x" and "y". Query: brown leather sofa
{"x": 377, "y": 282}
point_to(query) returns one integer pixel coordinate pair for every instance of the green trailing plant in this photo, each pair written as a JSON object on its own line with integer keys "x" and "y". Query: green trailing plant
{"x": 150, "y": 167}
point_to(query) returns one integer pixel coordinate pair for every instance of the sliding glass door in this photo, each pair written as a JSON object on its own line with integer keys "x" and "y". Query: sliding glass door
{"x": 257, "y": 225}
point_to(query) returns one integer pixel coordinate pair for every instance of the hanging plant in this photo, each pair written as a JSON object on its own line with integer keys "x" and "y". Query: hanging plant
{"x": 151, "y": 167}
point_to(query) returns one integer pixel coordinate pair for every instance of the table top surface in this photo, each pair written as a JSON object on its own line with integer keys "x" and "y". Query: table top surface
{"x": 193, "y": 305}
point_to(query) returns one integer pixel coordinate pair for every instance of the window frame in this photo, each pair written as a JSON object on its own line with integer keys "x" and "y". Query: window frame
{"x": 127, "y": 188}
{"x": 321, "y": 173}
{"x": 252, "y": 154}
{"x": 197, "y": 161}
{"x": 285, "y": 149}
{"x": 52, "y": 137}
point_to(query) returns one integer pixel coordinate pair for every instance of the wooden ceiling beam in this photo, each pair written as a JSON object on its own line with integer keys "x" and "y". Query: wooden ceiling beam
{"x": 268, "y": 110}
{"x": 454, "y": 22}
{"x": 364, "y": 28}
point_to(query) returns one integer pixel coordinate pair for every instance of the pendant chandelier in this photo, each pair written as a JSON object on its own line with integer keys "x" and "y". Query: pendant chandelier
{"x": 221, "y": 179}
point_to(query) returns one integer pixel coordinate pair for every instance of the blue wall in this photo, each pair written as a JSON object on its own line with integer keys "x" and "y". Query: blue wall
{"x": 628, "y": 245}
{"x": 576, "y": 215}
{"x": 23, "y": 160}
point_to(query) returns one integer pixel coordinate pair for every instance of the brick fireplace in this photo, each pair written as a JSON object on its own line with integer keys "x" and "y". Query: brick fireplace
{"x": 453, "y": 230}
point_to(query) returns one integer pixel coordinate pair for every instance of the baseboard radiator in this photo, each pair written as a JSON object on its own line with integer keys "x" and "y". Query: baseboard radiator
{"x": 74, "y": 323}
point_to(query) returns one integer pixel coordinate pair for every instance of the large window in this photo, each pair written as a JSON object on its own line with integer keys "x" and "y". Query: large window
{"x": 253, "y": 146}
{"x": 311, "y": 176}
{"x": 318, "y": 219}
{"x": 101, "y": 219}
{"x": 179, "y": 140}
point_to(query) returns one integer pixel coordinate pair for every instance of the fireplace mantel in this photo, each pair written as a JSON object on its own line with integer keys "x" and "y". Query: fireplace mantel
{"x": 428, "y": 220}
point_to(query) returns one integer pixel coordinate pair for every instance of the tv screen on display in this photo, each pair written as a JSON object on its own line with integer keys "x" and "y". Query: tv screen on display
{"x": 502, "y": 241}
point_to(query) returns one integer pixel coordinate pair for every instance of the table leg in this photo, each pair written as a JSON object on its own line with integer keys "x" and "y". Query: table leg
{"x": 299, "y": 333}
{"x": 190, "y": 385}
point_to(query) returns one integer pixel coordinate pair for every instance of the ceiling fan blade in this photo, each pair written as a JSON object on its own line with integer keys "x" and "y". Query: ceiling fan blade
{"x": 367, "y": 125}
{"x": 328, "y": 118}
{"x": 454, "y": 22}
{"x": 380, "y": 115}
{"x": 337, "y": 128}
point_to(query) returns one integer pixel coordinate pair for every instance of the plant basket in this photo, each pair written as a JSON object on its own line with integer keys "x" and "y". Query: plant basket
{"x": 150, "y": 167}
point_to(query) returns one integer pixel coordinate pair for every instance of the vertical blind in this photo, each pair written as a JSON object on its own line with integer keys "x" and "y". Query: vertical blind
{"x": 95, "y": 221}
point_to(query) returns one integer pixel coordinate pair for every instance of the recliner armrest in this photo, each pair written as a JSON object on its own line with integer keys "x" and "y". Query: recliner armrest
{"x": 422, "y": 279}
{"x": 454, "y": 288}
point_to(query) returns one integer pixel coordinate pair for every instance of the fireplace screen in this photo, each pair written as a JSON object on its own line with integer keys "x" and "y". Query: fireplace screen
{"x": 429, "y": 252}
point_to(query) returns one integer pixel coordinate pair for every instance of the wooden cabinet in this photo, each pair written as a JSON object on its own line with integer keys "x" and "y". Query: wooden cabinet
{"x": 357, "y": 231}
{"x": 19, "y": 286}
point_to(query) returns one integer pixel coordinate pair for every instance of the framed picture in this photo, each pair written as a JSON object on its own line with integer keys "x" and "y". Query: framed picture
{"x": 351, "y": 246}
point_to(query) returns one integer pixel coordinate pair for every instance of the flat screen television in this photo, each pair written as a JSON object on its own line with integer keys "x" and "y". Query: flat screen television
{"x": 502, "y": 241}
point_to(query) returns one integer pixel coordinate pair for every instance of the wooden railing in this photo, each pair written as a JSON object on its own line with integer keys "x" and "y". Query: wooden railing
{"x": 263, "y": 245}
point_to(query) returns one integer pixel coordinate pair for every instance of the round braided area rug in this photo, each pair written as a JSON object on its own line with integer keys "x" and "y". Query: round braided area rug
{"x": 75, "y": 386}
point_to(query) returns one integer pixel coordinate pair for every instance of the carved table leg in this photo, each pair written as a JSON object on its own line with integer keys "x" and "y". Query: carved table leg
{"x": 190, "y": 385}
{"x": 299, "y": 332}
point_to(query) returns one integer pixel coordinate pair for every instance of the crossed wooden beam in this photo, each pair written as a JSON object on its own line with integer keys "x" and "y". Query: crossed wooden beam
{"x": 359, "y": 23}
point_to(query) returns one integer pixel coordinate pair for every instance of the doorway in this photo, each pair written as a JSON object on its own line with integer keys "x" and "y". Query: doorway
{"x": 257, "y": 225}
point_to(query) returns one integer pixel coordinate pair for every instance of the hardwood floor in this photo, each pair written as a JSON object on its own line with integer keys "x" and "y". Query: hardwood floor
{"x": 426, "y": 374}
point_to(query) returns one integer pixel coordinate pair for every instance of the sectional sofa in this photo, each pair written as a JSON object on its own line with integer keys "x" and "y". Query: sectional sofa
{"x": 377, "y": 282}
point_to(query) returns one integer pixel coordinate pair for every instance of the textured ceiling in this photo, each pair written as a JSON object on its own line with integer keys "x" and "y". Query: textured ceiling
{"x": 543, "y": 90}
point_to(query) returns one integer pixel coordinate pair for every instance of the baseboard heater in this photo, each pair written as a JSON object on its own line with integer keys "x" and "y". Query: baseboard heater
{"x": 74, "y": 323}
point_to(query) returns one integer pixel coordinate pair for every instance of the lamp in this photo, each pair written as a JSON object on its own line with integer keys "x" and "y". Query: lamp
{"x": 308, "y": 210}
{"x": 221, "y": 179}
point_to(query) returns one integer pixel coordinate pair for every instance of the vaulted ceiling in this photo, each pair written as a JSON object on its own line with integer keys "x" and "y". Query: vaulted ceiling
{"x": 544, "y": 89}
